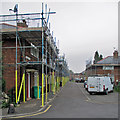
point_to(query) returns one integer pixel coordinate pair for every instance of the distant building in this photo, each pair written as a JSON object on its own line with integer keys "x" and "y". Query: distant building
{"x": 109, "y": 66}
{"x": 82, "y": 75}
{"x": 76, "y": 75}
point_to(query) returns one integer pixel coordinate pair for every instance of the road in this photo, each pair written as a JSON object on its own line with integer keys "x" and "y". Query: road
{"x": 74, "y": 102}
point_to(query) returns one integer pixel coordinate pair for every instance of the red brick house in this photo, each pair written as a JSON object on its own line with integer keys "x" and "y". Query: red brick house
{"x": 9, "y": 58}
{"x": 109, "y": 66}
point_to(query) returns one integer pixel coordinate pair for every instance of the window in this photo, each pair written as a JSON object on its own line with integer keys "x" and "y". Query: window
{"x": 34, "y": 51}
{"x": 108, "y": 67}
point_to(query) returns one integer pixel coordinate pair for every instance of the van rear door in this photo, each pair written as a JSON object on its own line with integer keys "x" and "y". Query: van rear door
{"x": 98, "y": 84}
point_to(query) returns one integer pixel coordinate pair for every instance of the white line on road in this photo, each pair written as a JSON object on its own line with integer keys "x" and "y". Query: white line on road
{"x": 94, "y": 101}
{"x": 83, "y": 92}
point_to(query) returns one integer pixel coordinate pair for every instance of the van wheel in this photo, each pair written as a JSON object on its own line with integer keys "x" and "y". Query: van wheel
{"x": 90, "y": 93}
{"x": 106, "y": 92}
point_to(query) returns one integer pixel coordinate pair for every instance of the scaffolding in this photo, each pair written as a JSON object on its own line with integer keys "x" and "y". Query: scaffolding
{"x": 35, "y": 51}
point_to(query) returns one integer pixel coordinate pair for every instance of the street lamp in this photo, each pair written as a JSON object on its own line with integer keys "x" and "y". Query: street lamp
{"x": 16, "y": 11}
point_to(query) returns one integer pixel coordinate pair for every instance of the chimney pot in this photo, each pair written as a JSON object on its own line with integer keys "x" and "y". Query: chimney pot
{"x": 115, "y": 54}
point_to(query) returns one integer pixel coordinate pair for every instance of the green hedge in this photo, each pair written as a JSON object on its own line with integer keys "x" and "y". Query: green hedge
{"x": 117, "y": 88}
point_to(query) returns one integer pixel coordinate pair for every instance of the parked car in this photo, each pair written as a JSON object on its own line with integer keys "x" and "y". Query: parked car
{"x": 99, "y": 84}
{"x": 82, "y": 80}
{"x": 77, "y": 80}
{"x": 85, "y": 83}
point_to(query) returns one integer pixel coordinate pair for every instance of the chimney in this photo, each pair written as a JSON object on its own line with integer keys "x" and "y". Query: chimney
{"x": 22, "y": 24}
{"x": 115, "y": 54}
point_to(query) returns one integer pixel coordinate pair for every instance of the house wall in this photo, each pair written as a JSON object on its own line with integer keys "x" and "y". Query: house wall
{"x": 76, "y": 76}
{"x": 98, "y": 70}
{"x": 9, "y": 64}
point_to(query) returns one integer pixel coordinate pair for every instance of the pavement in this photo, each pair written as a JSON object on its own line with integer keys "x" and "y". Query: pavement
{"x": 29, "y": 107}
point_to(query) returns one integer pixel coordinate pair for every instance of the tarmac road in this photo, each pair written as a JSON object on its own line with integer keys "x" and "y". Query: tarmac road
{"x": 74, "y": 102}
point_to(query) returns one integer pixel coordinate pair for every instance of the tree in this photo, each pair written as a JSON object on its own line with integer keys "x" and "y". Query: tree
{"x": 97, "y": 57}
{"x": 101, "y": 57}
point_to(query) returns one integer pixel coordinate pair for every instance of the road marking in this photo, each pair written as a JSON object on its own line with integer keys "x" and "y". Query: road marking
{"x": 93, "y": 101}
{"x": 25, "y": 114}
{"x": 32, "y": 114}
{"x": 83, "y": 93}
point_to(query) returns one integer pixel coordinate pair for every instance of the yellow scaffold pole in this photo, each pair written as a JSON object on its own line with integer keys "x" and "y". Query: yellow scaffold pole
{"x": 38, "y": 96}
{"x": 53, "y": 83}
{"x": 24, "y": 89}
{"x": 49, "y": 82}
{"x": 23, "y": 77}
{"x": 62, "y": 81}
{"x": 46, "y": 88}
{"x": 16, "y": 84}
{"x": 42, "y": 89}
{"x": 57, "y": 83}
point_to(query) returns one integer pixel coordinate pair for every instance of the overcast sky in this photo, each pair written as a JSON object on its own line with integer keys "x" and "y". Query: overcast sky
{"x": 81, "y": 27}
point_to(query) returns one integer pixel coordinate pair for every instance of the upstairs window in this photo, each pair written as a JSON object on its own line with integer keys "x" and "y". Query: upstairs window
{"x": 34, "y": 51}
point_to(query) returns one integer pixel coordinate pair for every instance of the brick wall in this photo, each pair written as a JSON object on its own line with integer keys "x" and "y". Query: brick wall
{"x": 9, "y": 59}
{"x": 98, "y": 70}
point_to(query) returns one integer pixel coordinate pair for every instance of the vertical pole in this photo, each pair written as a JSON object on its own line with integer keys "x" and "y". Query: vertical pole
{"x": 16, "y": 84}
{"x": 49, "y": 62}
{"x": 38, "y": 96}
{"x": 46, "y": 11}
{"x": 42, "y": 60}
{"x": 46, "y": 69}
{"x": 24, "y": 88}
{"x": 46, "y": 88}
{"x": 57, "y": 83}
{"x": 49, "y": 71}
{"x": 16, "y": 50}
{"x": 49, "y": 81}
{"x": 53, "y": 83}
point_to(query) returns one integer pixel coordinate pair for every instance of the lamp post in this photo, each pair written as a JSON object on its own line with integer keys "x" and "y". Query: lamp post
{"x": 16, "y": 11}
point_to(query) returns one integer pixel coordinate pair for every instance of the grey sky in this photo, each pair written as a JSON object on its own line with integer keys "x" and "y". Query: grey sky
{"x": 81, "y": 28}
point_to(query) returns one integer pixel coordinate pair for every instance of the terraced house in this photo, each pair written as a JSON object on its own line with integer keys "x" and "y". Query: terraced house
{"x": 35, "y": 53}
{"x": 108, "y": 66}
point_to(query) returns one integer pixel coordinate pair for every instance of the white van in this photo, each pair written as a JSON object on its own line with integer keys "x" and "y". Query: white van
{"x": 99, "y": 84}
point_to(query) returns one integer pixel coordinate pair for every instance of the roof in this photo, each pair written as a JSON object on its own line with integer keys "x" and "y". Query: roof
{"x": 31, "y": 34}
{"x": 7, "y": 26}
{"x": 109, "y": 60}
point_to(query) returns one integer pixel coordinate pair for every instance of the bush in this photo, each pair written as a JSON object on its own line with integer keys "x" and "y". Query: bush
{"x": 4, "y": 104}
{"x": 117, "y": 88}
{"x": 11, "y": 95}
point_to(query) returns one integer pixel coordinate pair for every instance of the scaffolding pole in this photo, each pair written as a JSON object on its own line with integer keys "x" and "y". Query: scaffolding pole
{"x": 42, "y": 60}
{"x": 46, "y": 71}
{"x": 38, "y": 96}
{"x": 16, "y": 50}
